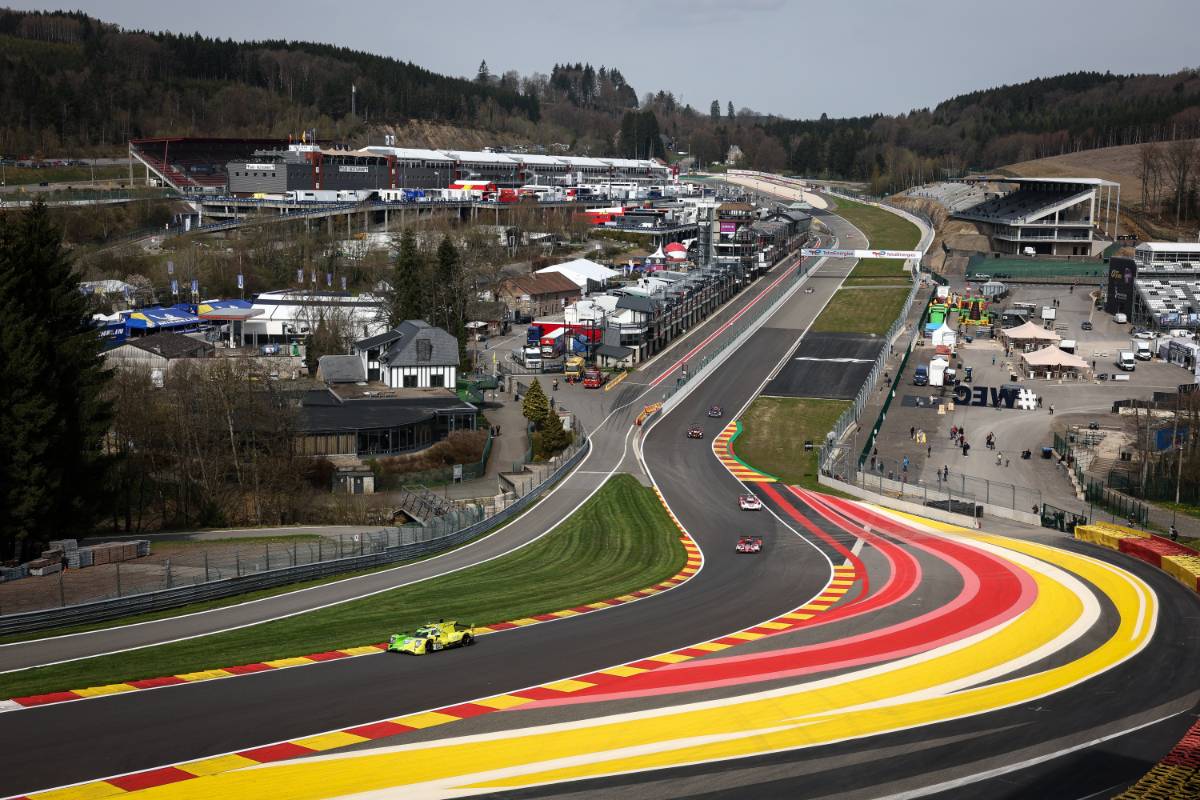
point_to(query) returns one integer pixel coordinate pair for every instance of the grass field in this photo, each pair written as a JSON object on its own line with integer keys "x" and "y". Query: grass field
{"x": 861, "y": 310}
{"x": 619, "y": 541}
{"x": 24, "y": 176}
{"x": 774, "y": 430}
{"x": 883, "y": 229}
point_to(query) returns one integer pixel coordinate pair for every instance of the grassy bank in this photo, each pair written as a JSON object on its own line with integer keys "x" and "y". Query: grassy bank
{"x": 774, "y": 430}
{"x": 25, "y": 176}
{"x": 884, "y": 230}
{"x": 861, "y": 310}
{"x": 619, "y": 541}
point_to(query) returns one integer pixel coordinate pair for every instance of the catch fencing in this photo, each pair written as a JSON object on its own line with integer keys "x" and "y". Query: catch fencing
{"x": 267, "y": 566}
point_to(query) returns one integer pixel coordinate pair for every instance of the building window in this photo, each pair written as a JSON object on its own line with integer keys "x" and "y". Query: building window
{"x": 437, "y": 380}
{"x": 410, "y": 381}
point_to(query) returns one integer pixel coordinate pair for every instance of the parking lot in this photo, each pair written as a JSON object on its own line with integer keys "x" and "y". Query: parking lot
{"x": 1001, "y": 474}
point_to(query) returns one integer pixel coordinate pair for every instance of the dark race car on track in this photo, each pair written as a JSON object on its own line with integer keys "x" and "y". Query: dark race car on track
{"x": 715, "y": 411}
{"x": 749, "y": 502}
{"x": 749, "y": 544}
{"x": 695, "y": 432}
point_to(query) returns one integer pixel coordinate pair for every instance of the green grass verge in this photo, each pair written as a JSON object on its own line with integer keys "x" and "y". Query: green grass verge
{"x": 621, "y": 540}
{"x": 861, "y": 310}
{"x": 24, "y": 176}
{"x": 883, "y": 229}
{"x": 774, "y": 430}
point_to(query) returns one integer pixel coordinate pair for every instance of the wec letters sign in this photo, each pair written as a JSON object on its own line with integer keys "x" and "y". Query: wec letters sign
{"x": 985, "y": 396}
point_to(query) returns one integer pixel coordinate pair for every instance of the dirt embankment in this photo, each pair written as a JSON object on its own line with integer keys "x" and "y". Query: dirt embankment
{"x": 441, "y": 136}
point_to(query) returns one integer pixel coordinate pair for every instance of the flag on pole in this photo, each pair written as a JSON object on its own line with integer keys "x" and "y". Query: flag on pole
{"x": 175, "y": 287}
{"x": 329, "y": 279}
{"x": 170, "y": 267}
{"x": 195, "y": 286}
{"x": 241, "y": 281}
{"x": 299, "y": 276}
{"x": 343, "y": 283}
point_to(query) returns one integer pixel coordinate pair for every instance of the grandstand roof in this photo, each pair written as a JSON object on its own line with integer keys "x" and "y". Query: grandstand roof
{"x": 412, "y": 153}
{"x": 1170, "y": 247}
{"x": 1082, "y": 181}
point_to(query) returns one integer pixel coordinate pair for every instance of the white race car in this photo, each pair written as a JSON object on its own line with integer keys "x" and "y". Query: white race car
{"x": 749, "y": 502}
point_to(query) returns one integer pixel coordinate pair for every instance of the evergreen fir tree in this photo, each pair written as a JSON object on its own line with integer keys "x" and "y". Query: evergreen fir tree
{"x": 535, "y": 406}
{"x": 409, "y": 295}
{"x": 554, "y": 438}
{"x": 714, "y": 112}
{"x": 53, "y": 417}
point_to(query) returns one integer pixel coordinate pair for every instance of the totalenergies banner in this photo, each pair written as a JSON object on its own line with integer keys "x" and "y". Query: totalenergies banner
{"x": 821, "y": 252}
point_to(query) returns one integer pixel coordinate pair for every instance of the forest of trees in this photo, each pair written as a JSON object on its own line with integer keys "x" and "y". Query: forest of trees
{"x": 70, "y": 82}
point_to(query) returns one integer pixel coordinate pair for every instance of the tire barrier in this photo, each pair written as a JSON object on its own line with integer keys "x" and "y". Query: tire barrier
{"x": 1176, "y": 777}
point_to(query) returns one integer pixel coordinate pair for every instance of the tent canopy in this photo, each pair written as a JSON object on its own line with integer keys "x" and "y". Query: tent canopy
{"x": 1052, "y": 356}
{"x": 1030, "y": 331}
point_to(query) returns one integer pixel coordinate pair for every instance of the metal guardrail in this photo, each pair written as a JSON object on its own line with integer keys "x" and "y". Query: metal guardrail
{"x": 183, "y": 595}
{"x": 850, "y": 416}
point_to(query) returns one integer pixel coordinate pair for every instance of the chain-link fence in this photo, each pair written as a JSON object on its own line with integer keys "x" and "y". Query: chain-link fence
{"x": 939, "y": 497}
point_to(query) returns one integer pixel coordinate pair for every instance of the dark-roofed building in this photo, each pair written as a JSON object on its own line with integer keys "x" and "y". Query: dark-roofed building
{"x": 158, "y": 351}
{"x": 375, "y": 420}
{"x": 413, "y": 355}
{"x": 539, "y": 294}
{"x": 341, "y": 369}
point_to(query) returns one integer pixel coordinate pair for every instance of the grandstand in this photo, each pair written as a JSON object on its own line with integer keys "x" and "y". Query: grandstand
{"x": 952, "y": 195}
{"x": 195, "y": 165}
{"x": 1048, "y": 216}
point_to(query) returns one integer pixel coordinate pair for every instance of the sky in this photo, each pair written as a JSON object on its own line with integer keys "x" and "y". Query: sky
{"x": 792, "y": 58}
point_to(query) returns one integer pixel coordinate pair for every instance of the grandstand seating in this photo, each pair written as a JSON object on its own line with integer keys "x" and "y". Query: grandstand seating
{"x": 192, "y": 164}
{"x": 952, "y": 196}
{"x": 1019, "y": 204}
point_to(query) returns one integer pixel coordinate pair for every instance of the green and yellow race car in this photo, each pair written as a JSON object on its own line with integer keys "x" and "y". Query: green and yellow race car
{"x": 440, "y": 635}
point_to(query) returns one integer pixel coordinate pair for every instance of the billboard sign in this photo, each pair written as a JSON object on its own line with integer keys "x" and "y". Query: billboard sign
{"x": 728, "y": 227}
{"x": 821, "y": 252}
{"x": 1121, "y": 275}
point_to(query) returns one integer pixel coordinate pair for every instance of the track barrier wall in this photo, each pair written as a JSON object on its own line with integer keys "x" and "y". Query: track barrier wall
{"x": 366, "y": 551}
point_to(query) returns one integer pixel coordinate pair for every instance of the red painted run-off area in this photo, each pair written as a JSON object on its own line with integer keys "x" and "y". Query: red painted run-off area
{"x": 992, "y": 592}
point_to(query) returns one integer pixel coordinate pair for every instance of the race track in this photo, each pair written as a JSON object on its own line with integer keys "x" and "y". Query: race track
{"x": 862, "y": 654}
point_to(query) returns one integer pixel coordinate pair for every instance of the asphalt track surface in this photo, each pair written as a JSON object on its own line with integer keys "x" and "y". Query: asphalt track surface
{"x": 910, "y": 579}
{"x": 609, "y": 452}
{"x": 828, "y": 365}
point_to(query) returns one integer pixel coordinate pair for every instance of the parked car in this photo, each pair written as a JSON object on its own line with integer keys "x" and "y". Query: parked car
{"x": 921, "y": 376}
{"x": 1086, "y": 325}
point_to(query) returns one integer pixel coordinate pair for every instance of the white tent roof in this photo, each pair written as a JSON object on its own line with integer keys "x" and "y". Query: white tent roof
{"x": 1053, "y": 357}
{"x": 1031, "y": 331}
{"x": 588, "y": 270}
{"x": 658, "y": 253}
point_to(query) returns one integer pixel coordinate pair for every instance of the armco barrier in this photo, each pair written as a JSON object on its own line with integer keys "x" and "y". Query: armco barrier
{"x": 184, "y": 595}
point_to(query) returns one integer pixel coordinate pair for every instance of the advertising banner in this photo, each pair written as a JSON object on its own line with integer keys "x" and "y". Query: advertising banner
{"x": 1121, "y": 275}
{"x": 820, "y": 252}
{"x": 728, "y": 227}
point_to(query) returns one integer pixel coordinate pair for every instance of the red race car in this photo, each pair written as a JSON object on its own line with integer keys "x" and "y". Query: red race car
{"x": 695, "y": 432}
{"x": 749, "y": 544}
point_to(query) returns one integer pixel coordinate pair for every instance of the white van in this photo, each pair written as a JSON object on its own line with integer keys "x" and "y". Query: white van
{"x": 1120, "y": 319}
{"x": 1125, "y": 360}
